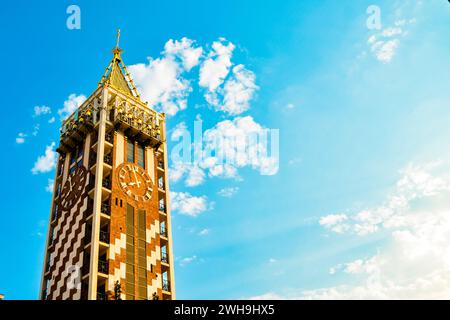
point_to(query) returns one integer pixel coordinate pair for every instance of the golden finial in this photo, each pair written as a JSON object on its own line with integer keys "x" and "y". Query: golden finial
{"x": 117, "y": 51}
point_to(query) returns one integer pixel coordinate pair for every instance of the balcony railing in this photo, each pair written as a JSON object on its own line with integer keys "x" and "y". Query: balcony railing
{"x": 162, "y": 207}
{"x": 165, "y": 285}
{"x": 106, "y": 183}
{"x": 104, "y": 236}
{"x": 164, "y": 257}
{"x": 109, "y": 137}
{"x": 107, "y": 159}
{"x": 103, "y": 267}
{"x": 164, "y": 232}
{"x": 106, "y": 208}
{"x": 161, "y": 184}
{"x": 160, "y": 164}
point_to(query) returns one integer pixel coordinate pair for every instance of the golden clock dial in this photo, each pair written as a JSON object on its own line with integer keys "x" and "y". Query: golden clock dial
{"x": 135, "y": 182}
{"x": 73, "y": 187}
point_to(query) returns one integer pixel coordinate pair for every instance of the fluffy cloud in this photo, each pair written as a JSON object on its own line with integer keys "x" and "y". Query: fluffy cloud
{"x": 334, "y": 222}
{"x": 185, "y": 50}
{"x": 165, "y": 82}
{"x": 415, "y": 219}
{"x": 237, "y": 143}
{"x": 187, "y": 204}
{"x": 234, "y": 98}
{"x": 416, "y": 184}
{"x": 72, "y": 103}
{"x": 227, "y": 92}
{"x": 161, "y": 81}
{"x": 20, "y": 138}
{"x": 227, "y": 147}
{"x": 46, "y": 162}
{"x": 194, "y": 174}
{"x": 41, "y": 110}
{"x": 217, "y": 66}
{"x": 385, "y": 43}
{"x": 228, "y": 192}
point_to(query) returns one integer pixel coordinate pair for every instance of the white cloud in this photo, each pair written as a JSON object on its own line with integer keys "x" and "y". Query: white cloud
{"x": 412, "y": 264}
{"x": 185, "y": 50}
{"x": 51, "y": 120}
{"x": 385, "y": 43}
{"x": 179, "y": 130}
{"x": 35, "y": 130}
{"x": 334, "y": 222}
{"x": 225, "y": 91}
{"x": 234, "y": 97}
{"x": 216, "y": 67}
{"x": 72, "y": 103}
{"x": 238, "y": 142}
{"x": 186, "y": 204}
{"x": 20, "y": 138}
{"x": 50, "y": 184}
{"x": 195, "y": 176}
{"x": 228, "y": 192}
{"x": 161, "y": 81}
{"x": 41, "y": 110}
{"x": 415, "y": 184}
{"x": 267, "y": 296}
{"x": 204, "y": 232}
{"x": 227, "y": 147}
{"x": 187, "y": 260}
{"x": 47, "y": 162}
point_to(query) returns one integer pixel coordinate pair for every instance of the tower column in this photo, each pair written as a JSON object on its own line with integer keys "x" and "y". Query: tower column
{"x": 93, "y": 268}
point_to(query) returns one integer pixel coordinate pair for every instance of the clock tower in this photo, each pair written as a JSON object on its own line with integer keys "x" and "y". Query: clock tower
{"x": 109, "y": 228}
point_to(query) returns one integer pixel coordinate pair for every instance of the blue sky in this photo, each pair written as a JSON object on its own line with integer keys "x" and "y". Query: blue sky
{"x": 358, "y": 206}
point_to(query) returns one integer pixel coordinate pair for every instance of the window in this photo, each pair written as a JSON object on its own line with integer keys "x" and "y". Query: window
{"x": 141, "y": 156}
{"x": 129, "y": 275}
{"x": 72, "y": 157}
{"x": 161, "y": 182}
{"x": 130, "y": 150}
{"x": 142, "y": 256}
{"x": 80, "y": 151}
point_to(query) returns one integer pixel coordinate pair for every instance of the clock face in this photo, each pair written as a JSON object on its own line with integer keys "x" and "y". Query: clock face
{"x": 73, "y": 188}
{"x": 135, "y": 182}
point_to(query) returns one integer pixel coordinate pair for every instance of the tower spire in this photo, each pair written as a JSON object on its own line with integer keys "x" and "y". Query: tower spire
{"x": 117, "y": 38}
{"x": 117, "y": 51}
{"x": 116, "y": 74}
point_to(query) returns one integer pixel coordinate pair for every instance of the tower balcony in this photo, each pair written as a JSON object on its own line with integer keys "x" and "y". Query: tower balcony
{"x": 107, "y": 164}
{"x": 109, "y": 139}
{"x": 166, "y": 286}
{"x": 75, "y": 128}
{"x": 106, "y": 188}
{"x": 141, "y": 127}
{"x": 103, "y": 267}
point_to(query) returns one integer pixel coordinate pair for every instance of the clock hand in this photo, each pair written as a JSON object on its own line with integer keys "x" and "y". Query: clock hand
{"x": 136, "y": 179}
